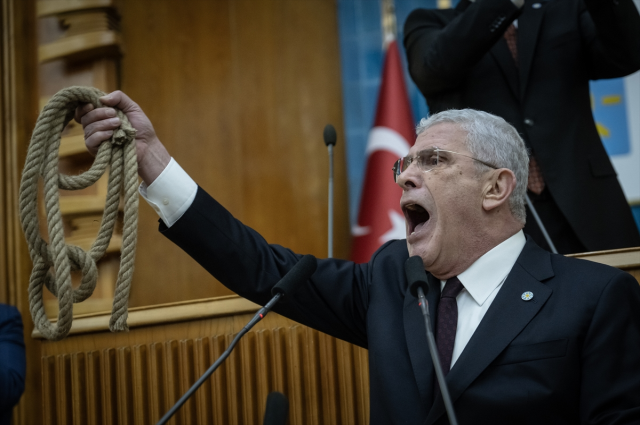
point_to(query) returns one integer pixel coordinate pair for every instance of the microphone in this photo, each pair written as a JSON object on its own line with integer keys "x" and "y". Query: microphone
{"x": 330, "y": 138}
{"x": 417, "y": 277}
{"x": 277, "y": 409}
{"x": 418, "y": 286}
{"x": 299, "y": 273}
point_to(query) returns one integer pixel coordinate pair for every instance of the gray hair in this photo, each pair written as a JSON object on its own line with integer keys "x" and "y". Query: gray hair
{"x": 493, "y": 140}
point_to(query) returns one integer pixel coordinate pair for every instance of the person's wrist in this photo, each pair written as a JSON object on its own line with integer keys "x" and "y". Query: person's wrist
{"x": 153, "y": 162}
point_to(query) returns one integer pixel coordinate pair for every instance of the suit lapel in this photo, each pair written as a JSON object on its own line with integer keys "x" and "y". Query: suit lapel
{"x": 416, "y": 337}
{"x": 505, "y": 319}
{"x": 528, "y": 29}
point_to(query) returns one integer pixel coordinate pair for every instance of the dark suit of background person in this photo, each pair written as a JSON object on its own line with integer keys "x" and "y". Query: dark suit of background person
{"x": 12, "y": 361}
{"x": 569, "y": 356}
{"x": 459, "y": 59}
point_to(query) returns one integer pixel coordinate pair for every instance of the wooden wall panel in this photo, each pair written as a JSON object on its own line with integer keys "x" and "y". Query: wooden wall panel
{"x": 18, "y": 113}
{"x": 136, "y": 378}
{"x": 239, "y": 91}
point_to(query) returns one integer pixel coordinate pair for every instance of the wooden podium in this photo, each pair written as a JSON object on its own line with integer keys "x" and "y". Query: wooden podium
{"x": 96, "y": 377}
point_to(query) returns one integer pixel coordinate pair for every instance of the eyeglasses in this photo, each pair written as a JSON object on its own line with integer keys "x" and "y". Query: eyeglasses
{"x": 428, "y": 160}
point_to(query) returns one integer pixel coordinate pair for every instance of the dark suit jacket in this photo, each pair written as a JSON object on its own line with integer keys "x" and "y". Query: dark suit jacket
{"x": 459, "y": 59}
{"x": 569, "y": 356}
{"x": 12, "y": 361}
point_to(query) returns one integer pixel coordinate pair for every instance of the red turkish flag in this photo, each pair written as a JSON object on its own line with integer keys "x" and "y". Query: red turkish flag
{"x": 380, "y": 218}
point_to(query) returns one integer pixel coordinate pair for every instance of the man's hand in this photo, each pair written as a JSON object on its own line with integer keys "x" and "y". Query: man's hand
{"x": 99, "y": 124}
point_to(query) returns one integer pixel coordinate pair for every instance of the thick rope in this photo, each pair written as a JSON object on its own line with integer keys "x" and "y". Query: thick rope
{"x": 119, "y": 153}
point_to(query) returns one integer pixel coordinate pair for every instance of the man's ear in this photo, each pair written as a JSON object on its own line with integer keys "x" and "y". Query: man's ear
{"x": 498, "y": 188}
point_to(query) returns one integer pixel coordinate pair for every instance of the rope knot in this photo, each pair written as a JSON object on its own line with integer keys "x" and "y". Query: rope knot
{"x": 126, "y": 133}
{"x": 54, "y": 261}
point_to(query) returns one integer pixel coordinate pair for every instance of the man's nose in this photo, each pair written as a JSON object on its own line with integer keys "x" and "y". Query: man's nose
{"x": 410, "y": 177}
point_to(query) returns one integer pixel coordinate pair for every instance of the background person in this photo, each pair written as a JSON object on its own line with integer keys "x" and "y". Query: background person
{"x": 535, "y": 74}
{"x": 12, "y": 361}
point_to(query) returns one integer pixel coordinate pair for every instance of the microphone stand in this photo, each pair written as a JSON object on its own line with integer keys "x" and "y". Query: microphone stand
{"x": 330, "y": 224}
{"x": 540, "y": 225}
{"x": 299, "y": 273}
{"x": 424, "y": 306}
{"x": 259, "y": 316}
{"x": 330, "y": 138}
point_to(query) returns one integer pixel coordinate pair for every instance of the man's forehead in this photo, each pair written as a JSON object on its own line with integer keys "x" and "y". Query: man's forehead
{"x": 447, "y": 136}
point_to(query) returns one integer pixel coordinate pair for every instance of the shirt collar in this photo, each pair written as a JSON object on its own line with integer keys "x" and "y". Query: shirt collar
{"x": 490, "y": 270}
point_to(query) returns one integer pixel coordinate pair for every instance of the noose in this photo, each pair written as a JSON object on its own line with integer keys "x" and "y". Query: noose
{"x": 119, "y": 154}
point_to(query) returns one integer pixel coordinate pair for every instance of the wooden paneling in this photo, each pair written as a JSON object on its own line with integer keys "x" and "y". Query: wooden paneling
{"x": 239, "y": 91}
{"x": 18, "y": 112}
{"x": 52, "y": 7}
{"x": 135, "y": 378}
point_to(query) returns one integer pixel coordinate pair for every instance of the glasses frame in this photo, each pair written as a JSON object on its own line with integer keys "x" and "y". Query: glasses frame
{"x": 397, "y": 171}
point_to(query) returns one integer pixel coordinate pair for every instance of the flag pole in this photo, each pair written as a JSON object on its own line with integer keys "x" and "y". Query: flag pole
{"x": 389, "y": 23}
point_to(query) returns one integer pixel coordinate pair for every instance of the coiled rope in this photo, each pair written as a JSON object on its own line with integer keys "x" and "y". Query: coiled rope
{"x": 119, "y": 153}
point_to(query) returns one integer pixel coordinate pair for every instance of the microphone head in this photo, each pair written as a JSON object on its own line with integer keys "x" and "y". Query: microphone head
{"x": 298, "y": 274}
{"x": 330, "y": 136}
{"x": 277, "y": 409}
{"x": 416, "y": 276}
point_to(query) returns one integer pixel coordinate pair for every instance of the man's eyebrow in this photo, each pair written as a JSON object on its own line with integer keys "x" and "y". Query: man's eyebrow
{"x": 428, "y": 150}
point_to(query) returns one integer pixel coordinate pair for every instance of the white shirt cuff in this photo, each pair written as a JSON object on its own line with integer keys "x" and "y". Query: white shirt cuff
{"x": 171, "y": 193}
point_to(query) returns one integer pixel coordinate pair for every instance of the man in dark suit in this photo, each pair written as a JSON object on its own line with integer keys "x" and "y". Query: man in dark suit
{"x": 535, "y": 75}
{"x": 525, "y": 336}
{"x": 12, "y": 361}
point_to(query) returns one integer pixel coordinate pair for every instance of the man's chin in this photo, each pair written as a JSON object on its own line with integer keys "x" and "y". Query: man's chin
{"x": 416, "y": 249}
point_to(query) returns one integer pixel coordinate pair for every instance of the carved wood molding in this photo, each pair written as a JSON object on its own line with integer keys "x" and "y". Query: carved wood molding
{"x": 164, "y": 314}
{"x": 81, "y": 46}
{"x": 625, "y": 258}
{"x": 54, "y": 7}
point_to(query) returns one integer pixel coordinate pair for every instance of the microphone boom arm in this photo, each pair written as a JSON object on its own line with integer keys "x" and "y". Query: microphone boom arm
{"x": 259, "y": 316}
{"x": 424, "y": 306}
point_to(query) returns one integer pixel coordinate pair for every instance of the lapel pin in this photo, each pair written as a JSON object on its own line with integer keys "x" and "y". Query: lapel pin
{"x": 527, "y": 296}
{"x": 536, "y": 5}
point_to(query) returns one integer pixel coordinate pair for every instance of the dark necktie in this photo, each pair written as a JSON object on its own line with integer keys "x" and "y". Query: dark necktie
{"x": 535, "y": 183}
{"x": 447, "y": 322}
{"x": 511, "y": 35}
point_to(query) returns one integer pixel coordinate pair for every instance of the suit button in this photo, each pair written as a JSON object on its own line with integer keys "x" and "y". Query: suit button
{"x": 528, "y": 121}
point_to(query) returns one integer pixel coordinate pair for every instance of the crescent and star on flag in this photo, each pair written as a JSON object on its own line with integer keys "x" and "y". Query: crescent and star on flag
{"x": 379, "y": 217}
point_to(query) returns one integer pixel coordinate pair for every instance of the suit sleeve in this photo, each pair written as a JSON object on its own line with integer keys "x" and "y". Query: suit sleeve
{"x": 442, "y": 46}
{"x": 12, "y": 358}
{"x": 611, "y": 33}
{"x": 333, "y": 301}
{"x": 610, "y": 387}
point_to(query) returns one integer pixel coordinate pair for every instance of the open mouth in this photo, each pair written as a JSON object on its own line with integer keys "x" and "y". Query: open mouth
{"x": 416, "y": 217}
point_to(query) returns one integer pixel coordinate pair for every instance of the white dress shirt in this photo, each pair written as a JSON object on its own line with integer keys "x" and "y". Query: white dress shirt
{"x": 173, "y": 192}
{"x": 482, "y": 281}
